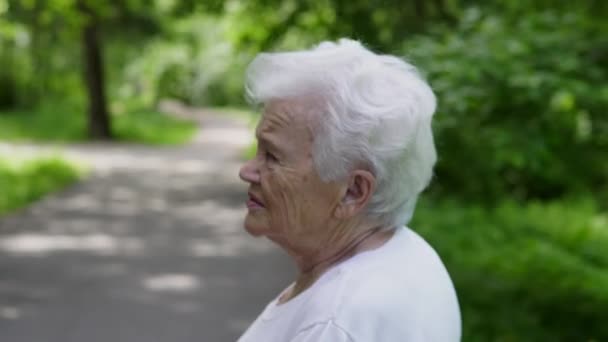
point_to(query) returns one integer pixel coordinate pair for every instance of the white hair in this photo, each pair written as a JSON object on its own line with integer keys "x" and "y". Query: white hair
{"x": 375, "y": 112}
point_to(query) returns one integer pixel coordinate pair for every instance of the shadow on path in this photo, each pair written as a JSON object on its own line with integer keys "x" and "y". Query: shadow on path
{"x": 149, "y": 248}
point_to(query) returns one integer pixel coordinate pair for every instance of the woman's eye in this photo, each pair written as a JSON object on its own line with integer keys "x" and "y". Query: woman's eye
{"x": 271, "y": 157}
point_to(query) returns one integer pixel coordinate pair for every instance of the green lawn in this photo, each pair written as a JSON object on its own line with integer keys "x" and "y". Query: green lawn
{"x": 154, "y": 128}
{"x": 22, "y": 182}
{"x": 67, "y": 125}
{"x": 524, "y": 272}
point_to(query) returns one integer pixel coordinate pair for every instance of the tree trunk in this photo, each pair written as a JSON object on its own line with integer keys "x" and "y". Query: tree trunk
{"x": 420, "y": 9}
{"x": 98, "y": 116}
{"x": 443, "y": 11}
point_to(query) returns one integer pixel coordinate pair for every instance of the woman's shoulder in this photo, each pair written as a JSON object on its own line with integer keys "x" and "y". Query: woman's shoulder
{"x": 402, "y": 287}
{"x": 360, "y": 280}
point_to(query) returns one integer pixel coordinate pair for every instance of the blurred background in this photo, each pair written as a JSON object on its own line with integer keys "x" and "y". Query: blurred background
{"x": 95, "y": 93}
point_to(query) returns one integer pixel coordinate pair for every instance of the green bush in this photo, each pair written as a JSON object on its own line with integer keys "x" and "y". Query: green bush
{"x": 151, "y": 127}
{"x": 534, "y": 272}
{"x": 522, "y": 105}
{"x": 8, "y": 97}
{"x": 27, "y": 181}
{"x": 46, "y": 123}
{"x": 195, "y": 61}
{"x": 67, "y": 124}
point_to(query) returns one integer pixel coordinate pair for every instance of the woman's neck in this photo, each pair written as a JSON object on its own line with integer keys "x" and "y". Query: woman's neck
{"x": 311, "y": 269}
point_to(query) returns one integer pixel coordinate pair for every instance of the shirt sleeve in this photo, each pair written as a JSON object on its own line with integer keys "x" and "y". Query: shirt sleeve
{"x": 323, "y": 332}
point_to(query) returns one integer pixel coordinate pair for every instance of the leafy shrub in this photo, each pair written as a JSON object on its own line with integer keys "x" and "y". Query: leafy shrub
{"x": 63, "y": 123}
{"x": 8, "y": 96}
{"x": 50, "y": 122}
{"x": 522, "y": 105}
{"x": 534, "y": 272}
{"x": 195, "y": 62}
{"x": 25, "y": 182}
{"x": 150, "y": 127}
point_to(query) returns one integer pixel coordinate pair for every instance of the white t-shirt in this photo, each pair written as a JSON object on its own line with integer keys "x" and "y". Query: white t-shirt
{"x": 398, "y": 292}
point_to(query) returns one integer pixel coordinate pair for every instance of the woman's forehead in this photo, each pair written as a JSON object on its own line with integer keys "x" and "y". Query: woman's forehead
{"x": 275, "y": 118}
{"x": 291, "y": 115}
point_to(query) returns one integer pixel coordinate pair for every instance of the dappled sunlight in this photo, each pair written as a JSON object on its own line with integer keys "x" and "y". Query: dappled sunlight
{"x": 135, "y": 162}
{"x": 122, "y": 193}
{"x": 126, "y": 209}
{"x": 84, "y": 201}
{"x": 9, "y": 312}
{"x": 106, "y": 159}
{"x": 31, "y": 244}
{"x": 165, "y": 241}
{"x": 73, "y": 226}
{"x": 230, "y": 246}
{"x": 155, "y": 204}
{"x": 192, "y": 166}
{"x": 176, "y": 283}
{"x": 214, "y": 214}
{"x": 151, "y": 235}
{"x": 225, "y": 137}
{"x": 208, "y": 249}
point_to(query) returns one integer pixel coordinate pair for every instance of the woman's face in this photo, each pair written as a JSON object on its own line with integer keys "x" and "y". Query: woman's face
{"x": 288, "y": 202}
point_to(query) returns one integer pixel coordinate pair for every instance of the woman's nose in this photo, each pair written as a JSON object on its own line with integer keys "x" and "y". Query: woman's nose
{"x": 249, "y": 172}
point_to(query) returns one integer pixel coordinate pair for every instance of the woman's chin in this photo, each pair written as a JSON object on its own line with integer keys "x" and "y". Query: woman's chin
{"x": 254, "y": 227}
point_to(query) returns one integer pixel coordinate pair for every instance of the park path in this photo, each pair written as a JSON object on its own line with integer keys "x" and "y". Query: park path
{"x": 149, "y": 247}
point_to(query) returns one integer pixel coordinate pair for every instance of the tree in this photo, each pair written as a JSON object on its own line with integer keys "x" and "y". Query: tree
{"x": 56, "y": 26}
{"x": 98, "y": 116}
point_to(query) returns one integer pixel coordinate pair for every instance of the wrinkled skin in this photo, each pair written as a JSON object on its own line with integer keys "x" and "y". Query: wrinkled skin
{"x": 298, "y": 205}
{"x": 314, "y": 221}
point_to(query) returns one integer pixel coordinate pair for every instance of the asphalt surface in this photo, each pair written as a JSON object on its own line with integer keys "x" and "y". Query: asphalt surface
{"x": 149, "y": 247}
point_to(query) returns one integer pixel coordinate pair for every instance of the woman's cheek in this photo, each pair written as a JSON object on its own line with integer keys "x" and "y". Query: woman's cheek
{"x": 283, "y": 188}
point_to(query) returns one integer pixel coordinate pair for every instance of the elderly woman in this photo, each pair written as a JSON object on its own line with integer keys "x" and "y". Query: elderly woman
{"x": 344, "y": 149}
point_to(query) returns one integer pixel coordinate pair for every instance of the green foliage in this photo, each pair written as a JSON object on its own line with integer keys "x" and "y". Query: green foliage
{"x": 299, "y": 23}
{"x": 41, "y": 42}
{"x": 522, "y": 105}
{"x": 12, "y": 57}
{"x": 155, "y": 128}
{"x": 66, "y": 124}
{"x": 26, "y": 181}
{"x": 522, "y": 88}
{"x": 534, "y": 272}
{"x": 46, "y": 123}
{"x": 250, "y": 151}
{"x": 194, "y": 62}
{"x": 8, "y": 96}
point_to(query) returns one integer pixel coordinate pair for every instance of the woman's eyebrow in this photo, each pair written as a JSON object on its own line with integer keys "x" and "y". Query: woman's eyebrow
{"x": 267, "y": 142}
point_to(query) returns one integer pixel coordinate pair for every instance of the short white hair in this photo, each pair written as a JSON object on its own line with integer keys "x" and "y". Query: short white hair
{"x": 375, "y": 112}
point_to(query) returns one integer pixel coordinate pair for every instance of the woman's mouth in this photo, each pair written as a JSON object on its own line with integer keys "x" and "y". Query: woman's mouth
{"x": 254, "y": 202}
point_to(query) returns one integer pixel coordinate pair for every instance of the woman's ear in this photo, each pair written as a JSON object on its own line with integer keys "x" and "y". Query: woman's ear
{"x": 357, "y": 193}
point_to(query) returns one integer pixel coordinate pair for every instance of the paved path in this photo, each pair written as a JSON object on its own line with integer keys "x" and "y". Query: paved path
{"x": 148, "y": 248}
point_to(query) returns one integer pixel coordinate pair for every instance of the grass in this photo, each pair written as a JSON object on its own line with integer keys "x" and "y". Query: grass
{"x": 44, "y": 124}
{"x": 524, "y": 272}
{"x": 154, "y": 128}
{"x": 28, "y": 180}
{"x": 61, "y": 124}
